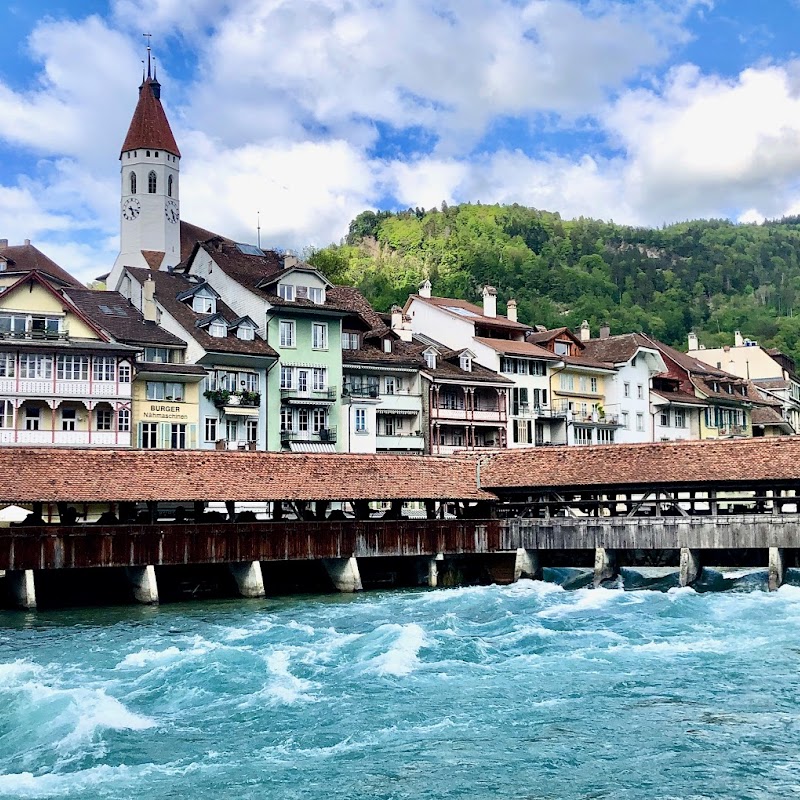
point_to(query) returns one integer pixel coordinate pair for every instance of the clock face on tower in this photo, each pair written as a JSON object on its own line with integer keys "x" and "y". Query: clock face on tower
{"x": 131, "y": 208}
{"x": 171, "y": 211}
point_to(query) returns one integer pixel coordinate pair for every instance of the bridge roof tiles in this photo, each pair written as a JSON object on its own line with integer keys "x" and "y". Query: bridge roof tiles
{"x": 79, "y": 475}
{"x": 709, "y": 462}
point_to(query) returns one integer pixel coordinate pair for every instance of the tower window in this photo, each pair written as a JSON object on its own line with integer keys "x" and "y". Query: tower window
{"x": 156, "y": 153}
{"x": 148, "y": 154}
{"x": 151, "y": 182}
{"x": 133, "y": 183}
{"x": 169, "y": 186}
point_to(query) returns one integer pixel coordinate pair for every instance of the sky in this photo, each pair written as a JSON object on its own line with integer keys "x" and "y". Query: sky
{"x": 307, "y": 112}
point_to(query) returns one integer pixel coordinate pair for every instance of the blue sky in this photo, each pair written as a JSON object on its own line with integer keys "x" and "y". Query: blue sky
{"x": 310, "y": 111}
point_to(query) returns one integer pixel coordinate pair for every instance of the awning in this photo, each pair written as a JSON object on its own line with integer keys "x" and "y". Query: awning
{"x": 400, "y": 412}
{"x": 312, "y": 447}
{"x": 241, "y": 411}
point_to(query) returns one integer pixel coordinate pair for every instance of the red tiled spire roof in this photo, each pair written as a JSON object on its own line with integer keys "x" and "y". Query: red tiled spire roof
{"x": 149, "y": 127}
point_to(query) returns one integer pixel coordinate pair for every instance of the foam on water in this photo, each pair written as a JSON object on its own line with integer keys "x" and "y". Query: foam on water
{"x": 525, "y": 690}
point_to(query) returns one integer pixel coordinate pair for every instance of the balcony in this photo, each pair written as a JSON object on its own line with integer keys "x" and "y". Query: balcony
{"x": 66, "y": 438}
{"x": 408, "y": 442}
{"x": 409, "y": 403}
{"x": 222, "y": 398}
{"x": 326, "y": 435}
{"x": 47, "y": 387}
{"x": 538, "y": 412}
{"x": 314, "y": 397}
{"x": 361, "y": 391}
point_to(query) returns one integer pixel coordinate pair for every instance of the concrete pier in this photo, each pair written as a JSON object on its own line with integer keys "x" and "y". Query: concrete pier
{"x": 249, "y": 578}
{"x": 143, "y": 584}
{"x": 433, "y": 570}
{"x": 526, "y": 565}
{"x": 344, "y": 574}
{"x": 777, "y": 568}
{"x": 605, "y": 565}
{"x": 691, "y": 568}
{"x": 21, "y": 588}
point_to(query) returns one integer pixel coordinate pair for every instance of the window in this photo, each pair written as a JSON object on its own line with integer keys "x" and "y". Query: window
{"x": 124, "y": 373}
{"x": 287, "y": 378}
{"x": 316, "y": 295}
{"x": 161, "y": 390}
{"x": 605, "y": 436}
{"x": 430, "y": 360}
{"x": 465, "y": 362}
{"x": 152, "y": 182}
{"x": 567, "y": 382}
{"x": 286, "y": 291}
{"x": 7, "y": 364}
{"x": 32, "y": 417}
{"x": 583, "y": 435}
{"x": 133, "y": 181}
{"x": 625, "y": 422}
{"x": 361, "y": 420}
{"x": 245, "y": 333}
{"x": 664, "y": 421}
{"x": 45, "y": 324}
{"x": 105, "y": 419}
{"x": 287, "y": 333}
{"x": 302, "y": 419}
{"x": 251, "y": 430}
{"x": 6, "y": 414}
{"x": 640, "y": 391}
{"x": 390, "y": 426}
{"x": 319, "y": 420}
{"x": 13, "y": 323}
{"x": 626, "y": 390}
{"x": 203, "y": 304}
{"x": 319, "y": 378}
{"x": 211, "y": 429}
{"x": 248, "y": 381}
{"x": 710, "y": 420}
{"x": 219, "y": 330}
{"x": 177, "y": 439}
{"x": 319, "y": 336}
{"x": 286, "y": 419}
{"x": 157, "y": 355}
{"x": 104, "y": 368}
{"x": 35, "y": 367}
{"x": 72, "y": 368}
{"x": 593, "y": 385}
{"x": 68, "y": 418}
{"x": 124, "y": 420}
{"x": 680, "y": 418}
{"x": 640, "y": 422}
{"x": 389, "y": 384}
{"x": 583, "y": 383}
{"x": 561, "y": 348}
{"x": 349, "y": 341}
{"x": 169, "y": 186}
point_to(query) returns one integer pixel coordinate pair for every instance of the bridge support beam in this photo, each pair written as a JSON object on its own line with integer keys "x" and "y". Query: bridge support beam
{"x": 691, "y": 568}
{"x": 143, "y": 584}
{"x": 605, "y": 565}
{"x": 777, "y": 568}
{"x": 21, "y": 588}
{"x": 249, "y": 578}
{"x": 526, "y": 565}
{"x": 344, "y": 574}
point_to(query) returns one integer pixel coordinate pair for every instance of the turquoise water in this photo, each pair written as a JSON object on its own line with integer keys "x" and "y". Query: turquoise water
{"x": 527, "y": 691}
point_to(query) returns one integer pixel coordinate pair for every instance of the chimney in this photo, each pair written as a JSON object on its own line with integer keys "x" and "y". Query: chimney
{"x": 586, "y": 331}
{"x": 27, "y": 242}
{"x": 425, "y": 289}
{"x": 397, "y": 318}
{"x": 693, "y": 344}
{"x": 489, "y": 301}
{"x": 738, "y": 341}
{"x": 511, "y": 310}
{"x": 3, "y": 242}
{"x": 605, "y": 330}
{"x": 290, "y": 261}
{"x": 149, "y": 300}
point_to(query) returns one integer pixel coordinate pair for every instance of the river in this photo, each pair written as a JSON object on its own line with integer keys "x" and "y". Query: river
{"x": 525, "y": 691}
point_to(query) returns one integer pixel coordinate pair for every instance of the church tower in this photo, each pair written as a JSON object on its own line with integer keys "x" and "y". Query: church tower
{"x": 150, "y": 191}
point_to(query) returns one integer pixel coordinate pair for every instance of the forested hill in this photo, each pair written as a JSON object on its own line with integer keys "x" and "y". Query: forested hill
{"x": 712, "y": 276}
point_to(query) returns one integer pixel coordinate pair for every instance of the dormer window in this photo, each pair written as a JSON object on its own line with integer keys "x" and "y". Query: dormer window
{"x": 561, "y": 348}
{"x": 349, "y": 341}
{"x": 3, "y": 265}
{"x": 387, "y": 345}
{"x": 286, "y": 291}
{"x": 316, "y": 295}
{"x": 204, "y": 304}
{"x": 465, "y": 362}
{"x": 218, "y": 329}
{"x": 430, "y": 359}
{"x": 245, "y": 333}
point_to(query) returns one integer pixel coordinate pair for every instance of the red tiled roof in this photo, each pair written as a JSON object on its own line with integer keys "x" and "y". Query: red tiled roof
{"x": 518, "y": 348}
{"x": 616, "y": 349}
{"x": 85, "y": 475}
{"x": 149, "y": 126}
{"x": 476, "y": 312}
{"x": 26, "y": 258}
{"x": 153, "y": 258}
{"x": 192, "y": 234}
{"x": 769, "y": 416}
{"x": 660, "y": 464}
